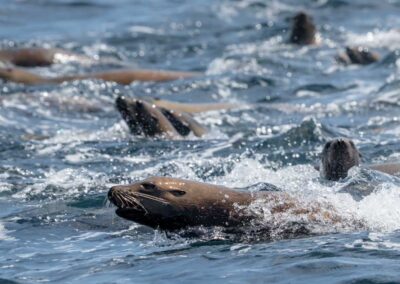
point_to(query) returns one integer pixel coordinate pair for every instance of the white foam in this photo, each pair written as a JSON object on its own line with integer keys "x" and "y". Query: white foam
{"x": 4, "y": 234}
{"x": 378, "y": 39}
{"x": 66, "y": 182}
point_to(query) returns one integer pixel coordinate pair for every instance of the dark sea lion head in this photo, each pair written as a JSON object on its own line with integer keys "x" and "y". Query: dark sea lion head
{"x": 338, "y": 156}
{"x": 358, "y": 55}
{"x": 303, "y": 30}
{"x": 172, "y": 204}
{"x": 361, "y": 55}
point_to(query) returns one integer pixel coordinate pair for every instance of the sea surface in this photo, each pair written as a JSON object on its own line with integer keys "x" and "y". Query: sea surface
{"x": 63, "y": 146}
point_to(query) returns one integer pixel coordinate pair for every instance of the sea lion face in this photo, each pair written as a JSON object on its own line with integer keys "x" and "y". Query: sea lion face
{"x": 361, "y": 55}
{"x": 338, "y": 156}
{"x": 358, "y": 55}
{"x": 171, "y": 204}
{"x": 6, "y": 73}
{"x": 137, "y": 116}
{"x": 19, "y": 75}
{"x": 304, "y": 30}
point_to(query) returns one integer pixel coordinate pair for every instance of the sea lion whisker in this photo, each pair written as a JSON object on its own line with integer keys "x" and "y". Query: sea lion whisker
{"x": 151, "y": 197}
{"x": 134, "y": 201}
{"x": 125, "y": 199}
{"x": 120, "y": 200}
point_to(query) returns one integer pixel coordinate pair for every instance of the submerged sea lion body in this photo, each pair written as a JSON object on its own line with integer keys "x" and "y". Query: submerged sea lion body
{"x": 304, "y": 31}
{"x": 39, "y": 57}
{"x": 174, "y": 204}
{"x": 341, "y": 154}
{"x": 358, "y": 55}
{"x": 124, "y": 77}
{"x": 147, "y": 119}
{"x": 192, "y": 108}
{"x": 29, "y": 57}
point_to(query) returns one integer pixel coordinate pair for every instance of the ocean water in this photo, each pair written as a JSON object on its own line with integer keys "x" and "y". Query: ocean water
{"x": 62, "y": 147}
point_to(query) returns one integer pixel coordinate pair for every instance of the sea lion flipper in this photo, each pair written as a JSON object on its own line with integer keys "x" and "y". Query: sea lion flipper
{"x": 184, "y": 123}
{"x": 127, "y": 109}
{"x": 155, "y": 121}
{"x": 357, "y": 55}
{"x": 198, "y": 129}
{"x": 181, "y": 126}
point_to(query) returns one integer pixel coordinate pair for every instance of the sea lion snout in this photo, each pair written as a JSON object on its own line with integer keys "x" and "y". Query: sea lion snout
{"x": 339, "y": 144}
{"x": 303, "y": 30}
{"x": 117, "y": 195}
{"x": 358, "y": 55}
{"x": 338, "y": 156}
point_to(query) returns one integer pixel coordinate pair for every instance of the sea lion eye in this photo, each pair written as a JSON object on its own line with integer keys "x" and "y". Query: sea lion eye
{"x": 177, "y": 192}
{"x": 149, "y": 186}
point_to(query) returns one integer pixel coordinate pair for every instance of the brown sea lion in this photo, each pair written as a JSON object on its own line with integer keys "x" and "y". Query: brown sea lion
{"x": 358, "y": 55}
{"x": 192, "y": 108}
{"x": 124, "y": 77}
{"x": 37, "y": 57}
{"x": 144, "y": 118}
{"x": 341, "y": 154}
{"x": 304, "y": 31}
{"x": 174, "y": 204}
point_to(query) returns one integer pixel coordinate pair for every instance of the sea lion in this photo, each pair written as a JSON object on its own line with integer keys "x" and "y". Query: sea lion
{"x": 144, "y": 118}
{"x": 123, "y": 77}
{"x": 338, "y": 156}
{"x": 37, "y": 57}
{"x": 192, "y": 108}
{"x": 358, "y": 55}
{"x": 173, "y": 204}
{"x": 19, "y": 75}
{"x": 341, "y": 154}
{"x": 304, "y": 31}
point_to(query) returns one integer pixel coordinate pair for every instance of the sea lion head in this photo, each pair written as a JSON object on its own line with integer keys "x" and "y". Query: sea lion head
{"x": 6, "y": 73}
{"x": 358, "y": 55}
{"x": 303, "y": 30}
{"x": 130, "y": 110}
{"x": 19, "y": 75}
{"x": 172, "y": 204}
{"x": 338, "y": 156}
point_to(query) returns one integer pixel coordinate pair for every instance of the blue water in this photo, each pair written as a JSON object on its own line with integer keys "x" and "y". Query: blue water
{"x": 62, "y": 147}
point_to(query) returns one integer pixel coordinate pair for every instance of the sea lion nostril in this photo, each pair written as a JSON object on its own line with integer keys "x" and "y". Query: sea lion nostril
{"x": 110, "y": 193}
{"x": 139, "y": 104}
{"x": 120, "y": 102}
